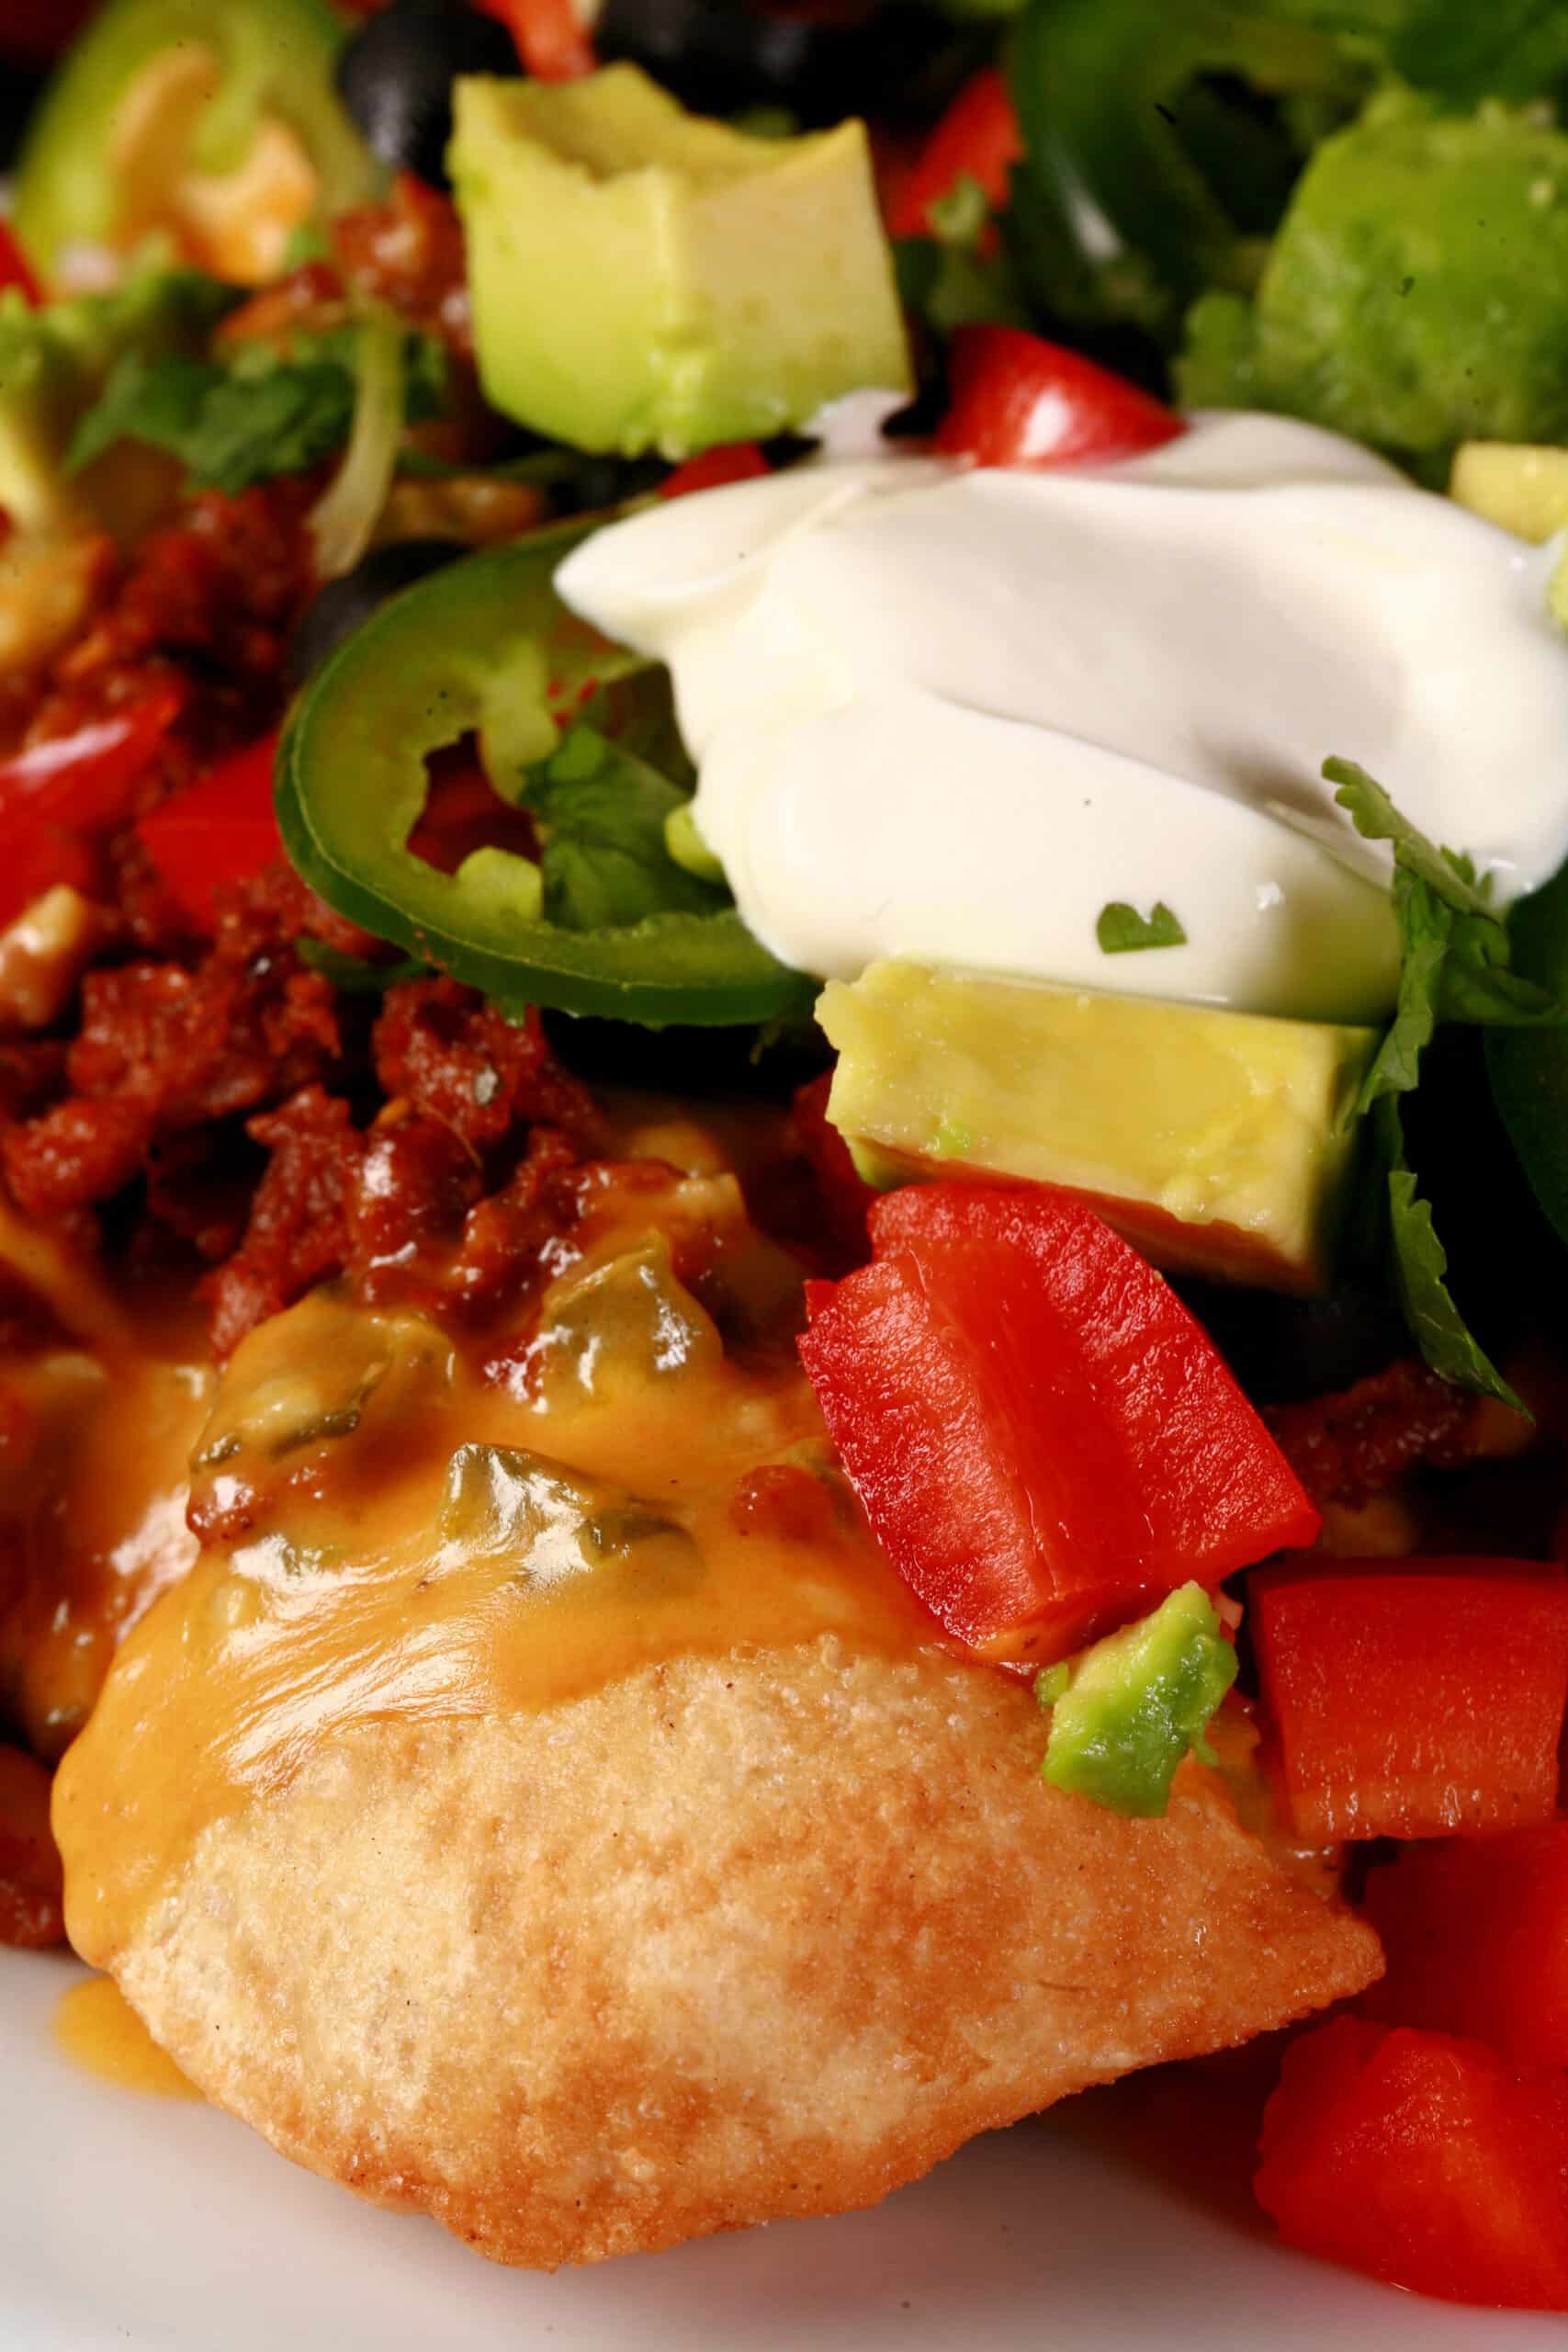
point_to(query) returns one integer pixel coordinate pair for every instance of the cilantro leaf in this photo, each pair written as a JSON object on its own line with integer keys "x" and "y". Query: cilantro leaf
{"x": 156, "y": 401}
{"x": 1454, "y": 949}
{"x": 252, "y": 414}
{"x": 1449, "y": 877}
{"x": 957, "y": 273}
{"x": 1122, "y": 929}
{"x": 1421, "y": 1265}
{"x": 351, "y": 974}
{"x": 601, "y": 812}
{"x": 1454, "y": 965}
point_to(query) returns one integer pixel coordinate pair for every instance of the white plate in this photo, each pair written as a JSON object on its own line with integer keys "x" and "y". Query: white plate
{"x": 133, "y": 2221}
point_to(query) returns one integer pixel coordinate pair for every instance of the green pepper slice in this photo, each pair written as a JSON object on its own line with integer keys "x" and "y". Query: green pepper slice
{"x": 145, "y": 62}
{"x": 486, "y": 647}
{"x": 1099, "y": 86}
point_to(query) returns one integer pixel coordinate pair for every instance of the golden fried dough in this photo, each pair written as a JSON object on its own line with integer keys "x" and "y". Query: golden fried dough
{"x": 729, "y": 1938}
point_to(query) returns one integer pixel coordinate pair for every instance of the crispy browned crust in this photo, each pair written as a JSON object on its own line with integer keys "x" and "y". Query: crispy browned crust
{"x": 728, "y": 1940}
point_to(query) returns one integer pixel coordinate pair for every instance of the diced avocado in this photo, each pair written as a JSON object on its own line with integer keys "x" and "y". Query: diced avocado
{"x": 52, "y": 363}
{"x": 1219, "y": 1142}
{"x": 1521, "y": 489}
{"x": 642, "y": 278}
{"x": 1124, "y": 1716}
{"x": 1416, "y": 293}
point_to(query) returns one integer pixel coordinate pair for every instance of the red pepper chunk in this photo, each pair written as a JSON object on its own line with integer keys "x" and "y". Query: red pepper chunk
{"x": 219, "y": 829}
{"x": 15, "y": 269}
{"x": 1476, "y": 1934}
{"x": 1422, "y": 2160}
{"x": 1415, "y": 1700}
{"x": 716, "y": 469}
{"x": 57, "y": 795}
{"x": 1019, "y": 401}
{"x": 549, "y": 35}
{"x": 1043, "y": 1439}
{"x": 978, "y": 139}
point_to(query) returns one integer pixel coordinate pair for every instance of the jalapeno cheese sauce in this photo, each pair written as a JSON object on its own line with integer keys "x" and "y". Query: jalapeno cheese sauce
{"x": 950, "y": 714}
{"x": 401, "y": 1527}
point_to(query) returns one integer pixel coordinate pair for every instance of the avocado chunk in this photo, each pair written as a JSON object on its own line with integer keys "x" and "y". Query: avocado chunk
{"x": 642, "y": 278}
{"x": 52, "y": 365}
{"x": 1520, "y": 488}
{"x": 1416, "y": 294}
{"x": 1124, "y": 1716}
{"x": 1217, "y": 1142}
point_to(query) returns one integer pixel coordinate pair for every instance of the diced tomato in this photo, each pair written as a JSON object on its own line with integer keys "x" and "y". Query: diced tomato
{"x": 977, "y": 138}
{"x": 15, "y": 268}
{"x": 1413, "y": 1700}
{"x": 549, "y": 36}
{"x": 1423, "y": 2160}
{"x": 46, "y": 858}
{"x": 1045, "y": 1441}
{"x": 733, "y": 461}
{"x": 844, "y": 1196}
{"x": 55, "y": 795}
{"x": 219, "y": 829}
{"x": 88, "y": 779}
{"x": 1476, "y": 1934}
{"x": 1019, "y": 401}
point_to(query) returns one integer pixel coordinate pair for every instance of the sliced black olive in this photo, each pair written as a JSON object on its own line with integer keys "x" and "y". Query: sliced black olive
{"x": 721, "y": 56}
{"x": 335, "y": 611}
{"x": 396, "y": 76}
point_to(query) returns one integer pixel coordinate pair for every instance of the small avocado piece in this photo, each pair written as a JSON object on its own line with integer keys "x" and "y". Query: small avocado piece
{"x": 1520, "y": 488}
{"x": 1125, "y": 1714}
{"x": 643, "y": 278}
{"x": 1217, "y": 1142}
{"x": 1415, "y": 296}
{"x": 52, "y": 365}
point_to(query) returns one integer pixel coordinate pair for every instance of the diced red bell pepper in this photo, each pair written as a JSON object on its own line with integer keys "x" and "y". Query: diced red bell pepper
{"x": 55, "y": 795}
{"x": 1413, "y": 1700}
{"x": 88, "y": 779}
{"x": 549, "y": 36}
{"x": 1476, "y": 1934}
{"x": 977, "y": 138}
{"x": 1019, "y": 401}
{"x": 1043, "y": 1439}
{"x": 219, "y": 829}
{"x": 733, "y": 461}
{"x": 15, "y": 268}
{"x": 1423, "y": 2160}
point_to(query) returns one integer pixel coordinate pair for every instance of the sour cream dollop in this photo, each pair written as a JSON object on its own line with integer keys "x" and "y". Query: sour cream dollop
{"x": 950, "y": 714}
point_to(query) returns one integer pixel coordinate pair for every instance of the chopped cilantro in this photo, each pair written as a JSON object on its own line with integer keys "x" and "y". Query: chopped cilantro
{"x": 1121, "y": 928}
{"x": 1454, "y": 965}
{"x": 601, "y": 812}
{"x": 255, "y": 413}
{"x": 351, "y": 974}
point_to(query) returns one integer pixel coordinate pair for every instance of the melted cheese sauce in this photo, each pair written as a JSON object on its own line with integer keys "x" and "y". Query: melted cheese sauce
{"x": 96, "y": 1427}
{"x": 408, "y": 1540}
{"x": 98, "y": 2029}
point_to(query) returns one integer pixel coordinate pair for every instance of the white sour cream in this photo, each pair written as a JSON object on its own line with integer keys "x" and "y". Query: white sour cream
{"x": 950, "y": 713}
